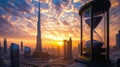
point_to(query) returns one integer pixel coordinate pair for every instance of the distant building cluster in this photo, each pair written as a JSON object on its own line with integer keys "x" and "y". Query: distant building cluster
{"x": 10, "y": 57}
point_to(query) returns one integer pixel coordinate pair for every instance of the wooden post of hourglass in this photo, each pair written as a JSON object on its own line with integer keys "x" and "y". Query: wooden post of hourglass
{"x": 81, "y": 37}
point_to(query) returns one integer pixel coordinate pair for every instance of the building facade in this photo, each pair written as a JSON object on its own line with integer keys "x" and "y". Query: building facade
{"x": 22, "y": 46}
{"x": 14, "y": 55}
{"x": 5, "y": 46}
{"x": 68, "y": 49}
{"x": 118, "y": 40}
{"x": 27, "y": 51}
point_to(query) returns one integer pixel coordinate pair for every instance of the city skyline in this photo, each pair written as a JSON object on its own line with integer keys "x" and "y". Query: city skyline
{"x": 59, "y": 20}
{"x": 59, "y": 33}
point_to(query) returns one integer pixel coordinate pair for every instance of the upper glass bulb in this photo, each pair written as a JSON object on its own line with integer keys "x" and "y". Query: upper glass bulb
{"x": 96, "y": 18}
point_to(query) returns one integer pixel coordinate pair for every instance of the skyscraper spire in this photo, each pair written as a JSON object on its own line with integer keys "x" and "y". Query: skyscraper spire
{"x": 38, "y": 51}
{"x": 39, "y": 42}
{"x": 39, "y": 21}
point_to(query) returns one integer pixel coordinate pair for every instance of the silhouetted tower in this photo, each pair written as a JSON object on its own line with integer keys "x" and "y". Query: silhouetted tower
{"x": 38, "y": 51}
{"x": 14, "y": 55}
{"x": 118, "y": 40}
{"x": 39, "y": 39}
{"x": 21, "y": 45}
{"x": 58, "y": 50}
{"x": 69, "y": 47}
{"x": 65, "y": 49}
{"x": 1, "y": 48}
{"x": 5, "y": 46}
{"x": 79, "y": 46}
{"x": 0, "y": 44}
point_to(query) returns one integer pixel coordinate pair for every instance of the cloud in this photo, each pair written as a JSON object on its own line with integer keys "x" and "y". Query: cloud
{"x": 76, "y": 1}
{"x": 115, "y": 3}
{"x": 59, "y": 19}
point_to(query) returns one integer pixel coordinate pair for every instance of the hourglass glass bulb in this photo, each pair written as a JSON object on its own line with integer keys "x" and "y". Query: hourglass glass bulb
{"x": 96, "y": 21}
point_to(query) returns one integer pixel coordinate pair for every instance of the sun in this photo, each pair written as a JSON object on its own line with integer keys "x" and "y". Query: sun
{"x": 60, "y": 43}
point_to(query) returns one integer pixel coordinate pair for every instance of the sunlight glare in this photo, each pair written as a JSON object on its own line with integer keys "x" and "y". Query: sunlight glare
{"x": 60, "y": 43}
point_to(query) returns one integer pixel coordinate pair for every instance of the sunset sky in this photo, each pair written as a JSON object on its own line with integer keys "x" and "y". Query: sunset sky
{"x": 59, "y": 19}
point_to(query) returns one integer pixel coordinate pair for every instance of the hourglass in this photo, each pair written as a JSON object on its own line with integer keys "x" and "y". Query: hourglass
{"x": 94, "y": 17}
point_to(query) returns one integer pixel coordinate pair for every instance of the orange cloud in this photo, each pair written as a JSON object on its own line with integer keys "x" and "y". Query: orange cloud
{"x": 76, "y": 1}
{"x": 56, "y": 24}
{"x": 114, "y": 3}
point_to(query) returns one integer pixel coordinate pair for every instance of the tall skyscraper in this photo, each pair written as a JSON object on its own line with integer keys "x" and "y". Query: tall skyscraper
{"x": 68, "y": 49}
{"x": 14, "y": 55}
{"x": 79, "y": 46}
{"x": 0, "y": 44}
{"x": 38, "y": 50}
{"x": 65, "y": 49}
{"x": 58, "y": 50}
{"x": 1, "y": 48}
{"x": 5, "y": 46}
{"x": 118, "y": 40}
{"x": 21, "y": 45}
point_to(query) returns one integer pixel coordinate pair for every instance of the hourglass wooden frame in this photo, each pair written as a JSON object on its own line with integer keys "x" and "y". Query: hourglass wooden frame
{"x": 96, "y": 7}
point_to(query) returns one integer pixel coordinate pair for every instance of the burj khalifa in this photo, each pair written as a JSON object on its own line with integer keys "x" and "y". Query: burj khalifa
{"x": 38, "y": 50}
